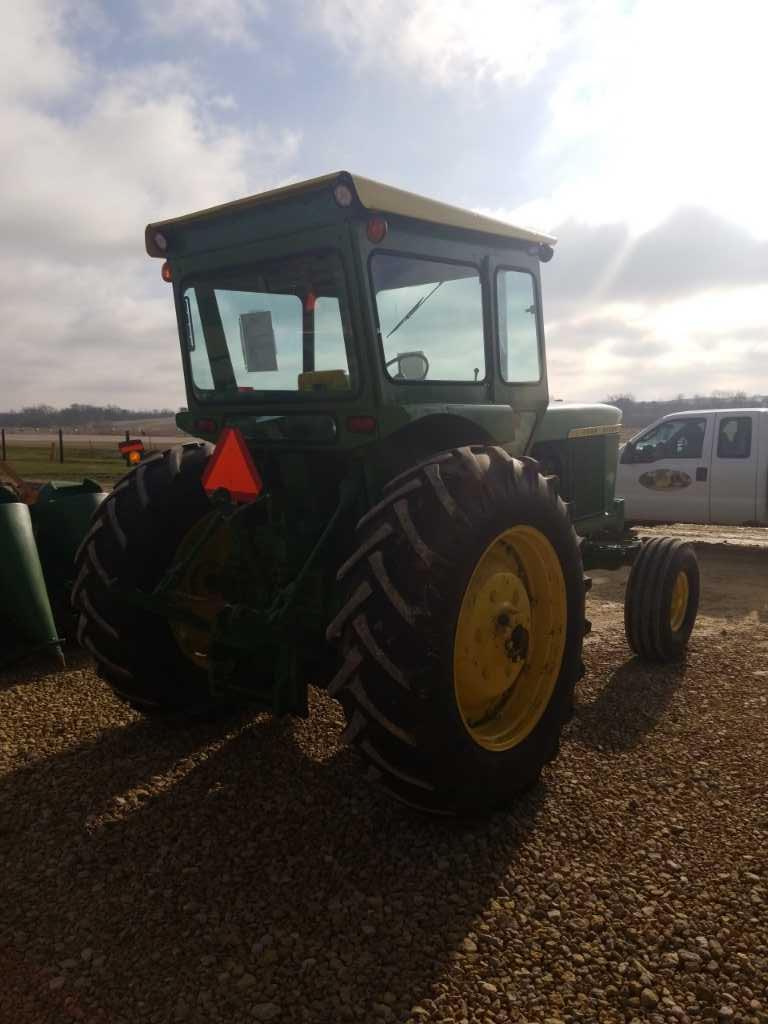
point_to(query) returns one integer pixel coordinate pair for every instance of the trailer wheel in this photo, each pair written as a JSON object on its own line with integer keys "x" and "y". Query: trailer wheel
{"x": 662, "y": 599}
{"x": 136, "y": 534}
{"x": 461, "y": 631}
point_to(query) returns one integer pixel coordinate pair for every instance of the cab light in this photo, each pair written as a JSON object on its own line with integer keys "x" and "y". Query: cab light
{"x": 343, "y": 195}
{"x": 377, "y": 230}
{"x": 166, "y": 273}
{"x": 361, "y": 424}
{"x": 206, "y": 426}
{"x": 160, "y": 241}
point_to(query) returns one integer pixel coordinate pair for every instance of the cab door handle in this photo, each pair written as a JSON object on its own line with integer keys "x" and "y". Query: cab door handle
{"x": 701, "y": 474}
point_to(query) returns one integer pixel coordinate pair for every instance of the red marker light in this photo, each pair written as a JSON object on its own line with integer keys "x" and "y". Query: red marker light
{"x": 165, "y": 272}
{"x": 377, "y": 230}
{"x": 231, "y": 468}
{"x": 135, "y": 445}
{"x": 361, "y": 424}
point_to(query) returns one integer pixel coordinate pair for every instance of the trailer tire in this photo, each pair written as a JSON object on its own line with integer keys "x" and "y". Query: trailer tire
{"x": 464, "y": 528}
{"x": 132, "y": 541}
{"x": 662, "y": 599}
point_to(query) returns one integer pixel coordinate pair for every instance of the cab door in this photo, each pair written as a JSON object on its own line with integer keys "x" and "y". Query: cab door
{"x": 735, "y": 459}
{"x": 664, "y": 475}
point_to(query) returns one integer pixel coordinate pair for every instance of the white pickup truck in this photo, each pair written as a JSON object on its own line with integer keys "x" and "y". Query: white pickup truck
{"x": 698, "y": 467}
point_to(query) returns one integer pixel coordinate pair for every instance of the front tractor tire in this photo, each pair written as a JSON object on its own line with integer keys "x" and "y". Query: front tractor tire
{"x": 662, "y": 599}
{"x": 134, "y": 538}
{"x": 461, "y": 632}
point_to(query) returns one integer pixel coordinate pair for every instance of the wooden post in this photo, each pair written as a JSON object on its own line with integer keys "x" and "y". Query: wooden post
{"x": 61, "y": 445}
{"x": 2, "y": 432}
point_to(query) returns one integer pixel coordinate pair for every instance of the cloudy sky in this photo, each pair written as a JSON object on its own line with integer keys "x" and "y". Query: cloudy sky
{"x": 635, "y": 131}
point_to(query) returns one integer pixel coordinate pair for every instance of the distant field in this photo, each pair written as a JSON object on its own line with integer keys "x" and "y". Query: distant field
{"x": 33, "y": 462}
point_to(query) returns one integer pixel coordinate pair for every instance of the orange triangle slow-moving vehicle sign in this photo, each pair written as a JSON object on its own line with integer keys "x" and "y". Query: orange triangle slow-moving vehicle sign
{"x": 232, "y": 468}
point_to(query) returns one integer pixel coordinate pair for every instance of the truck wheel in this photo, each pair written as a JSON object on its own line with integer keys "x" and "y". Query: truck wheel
{"x": 461, "y": 632}
{"x": 662, "y": 599}
{"x": 138, "y": 531}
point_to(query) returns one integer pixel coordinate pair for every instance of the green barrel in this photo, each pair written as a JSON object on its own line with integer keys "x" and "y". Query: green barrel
{"x": 25, "y": 610}
{"x": 61, "y": 517}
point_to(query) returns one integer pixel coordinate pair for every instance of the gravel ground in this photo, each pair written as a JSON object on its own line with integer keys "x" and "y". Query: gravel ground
{"x": 245, "y": 871}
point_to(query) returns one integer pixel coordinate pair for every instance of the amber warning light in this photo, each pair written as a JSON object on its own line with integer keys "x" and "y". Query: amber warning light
{"x": 231, "y": 468}
{"x": 132, "y": 451}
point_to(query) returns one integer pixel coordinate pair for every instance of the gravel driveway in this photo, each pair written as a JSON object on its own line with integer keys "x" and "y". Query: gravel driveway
{"x": 246, "y": 872}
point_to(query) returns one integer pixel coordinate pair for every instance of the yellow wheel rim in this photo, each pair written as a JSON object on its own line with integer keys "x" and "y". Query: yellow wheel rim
{"x": 510, "y": 638}
{"x": 198, "y": 590}
{"x": 679, "y": 605}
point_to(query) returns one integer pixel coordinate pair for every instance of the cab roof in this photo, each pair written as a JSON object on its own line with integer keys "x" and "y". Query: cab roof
{"x": 373, "y": 196}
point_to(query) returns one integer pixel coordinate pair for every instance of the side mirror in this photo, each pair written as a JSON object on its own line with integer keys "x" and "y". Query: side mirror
{"x": 627, "y": 454}
{"x": 410, "y": 366}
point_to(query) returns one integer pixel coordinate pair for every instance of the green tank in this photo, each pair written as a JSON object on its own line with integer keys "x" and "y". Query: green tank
{"x": 37, "y": 554}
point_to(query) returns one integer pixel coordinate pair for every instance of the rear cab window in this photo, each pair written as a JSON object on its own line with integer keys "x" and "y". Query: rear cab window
{"x": 277, "y": 327}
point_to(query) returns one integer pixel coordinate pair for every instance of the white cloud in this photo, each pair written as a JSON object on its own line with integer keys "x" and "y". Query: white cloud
{"x": 695, "y": 343}
{"x": 34, "y": 62}
{"x": 662, "y": 105}
{"x": 447, "y": 41}
{"x": 652, "y": 105}
{"x": 227, "y": 21}
{"x": 85, "y": 316}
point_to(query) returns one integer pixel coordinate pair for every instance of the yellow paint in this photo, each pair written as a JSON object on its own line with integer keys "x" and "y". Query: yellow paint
{"x": 378, "y": 198}
{"x": 607, "y": 428}
{"x": 679, "y": 604}
{"x": 510, "y": 638}
{"x": 323, "y": 380}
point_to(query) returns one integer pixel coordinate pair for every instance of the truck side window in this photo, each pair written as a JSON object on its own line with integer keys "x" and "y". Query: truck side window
{"x": 672, "y": 439}
{"x": 734, "y": 439}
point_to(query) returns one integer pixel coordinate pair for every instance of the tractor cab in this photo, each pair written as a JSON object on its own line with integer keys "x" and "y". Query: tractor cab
{"x": 341, "y": 297}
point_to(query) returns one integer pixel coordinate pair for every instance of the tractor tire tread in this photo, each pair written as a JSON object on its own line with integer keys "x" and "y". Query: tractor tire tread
{"x": 648, "y": 596}
{"x": 393, "y": 623}
{"x": 132, "y": 541}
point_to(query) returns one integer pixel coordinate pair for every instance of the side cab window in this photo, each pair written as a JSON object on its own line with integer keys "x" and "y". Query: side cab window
{"x": 519, "y": 354}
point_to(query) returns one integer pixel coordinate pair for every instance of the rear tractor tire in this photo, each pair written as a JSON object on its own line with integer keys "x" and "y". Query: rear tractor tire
{"x": 461, "y": 632}
{"x": 662, "y": 599}
{"x": 135, "y": 536}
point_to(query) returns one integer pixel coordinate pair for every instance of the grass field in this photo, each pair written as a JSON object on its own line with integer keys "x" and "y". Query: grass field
{"x": 33, "y": 462}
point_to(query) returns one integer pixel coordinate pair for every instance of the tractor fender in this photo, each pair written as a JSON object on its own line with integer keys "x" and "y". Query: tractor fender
{"x": 421, "y": 438}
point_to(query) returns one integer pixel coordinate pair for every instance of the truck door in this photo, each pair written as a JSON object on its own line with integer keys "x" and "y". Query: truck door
{"x": 733, "y": 487}
{"x": 664, "y": 475}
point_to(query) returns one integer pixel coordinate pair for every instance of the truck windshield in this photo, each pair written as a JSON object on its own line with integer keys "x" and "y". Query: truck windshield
{"x": 280, "y": 326}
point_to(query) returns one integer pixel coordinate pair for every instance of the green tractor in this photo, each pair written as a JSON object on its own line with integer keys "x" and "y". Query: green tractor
{"x": 392, "y": 511}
